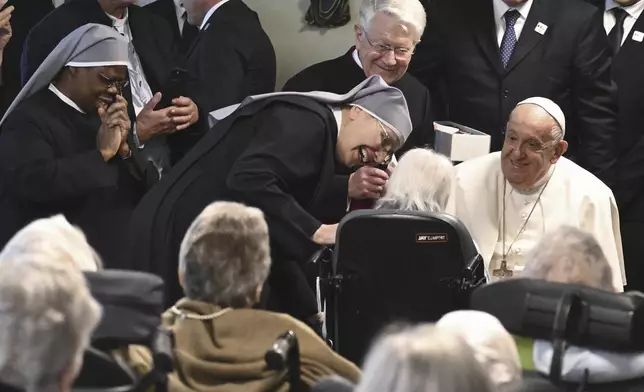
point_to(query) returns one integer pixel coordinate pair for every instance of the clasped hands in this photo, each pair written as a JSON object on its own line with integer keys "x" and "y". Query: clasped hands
{"x": 150, "y": 122}
{"x": 115, "y": 125}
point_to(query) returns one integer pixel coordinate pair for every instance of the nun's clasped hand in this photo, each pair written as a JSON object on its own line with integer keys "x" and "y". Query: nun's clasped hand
{"x": 115, "y": 125}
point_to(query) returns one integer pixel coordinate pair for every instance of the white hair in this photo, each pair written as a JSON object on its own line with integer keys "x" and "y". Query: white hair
{"x": 47, "y": 316}
{"x": 422, "y": 359}
{"x": 421, "y": 181}
{"x": 225, "y": 255}
{"x": 408, "y": 12}
{"x": 569, "y": 255}
{"x": 494, "y": 348}
{"x": 55, "y": 238}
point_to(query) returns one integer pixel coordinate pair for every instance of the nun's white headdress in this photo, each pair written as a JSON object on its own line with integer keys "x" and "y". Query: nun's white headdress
{"x": 91, "y": 45}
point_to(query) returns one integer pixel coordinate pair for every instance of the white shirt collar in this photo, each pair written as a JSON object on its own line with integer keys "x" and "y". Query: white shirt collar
{"x": 179, "y": 8}
{"x": 634, "y": 10}
{"x": 356, "y": 58}
{"x": 118, "y": 23}
{"x": 64, "y": 98}
{"x": 212, "y": 11}
{"x": 500, "y": 8}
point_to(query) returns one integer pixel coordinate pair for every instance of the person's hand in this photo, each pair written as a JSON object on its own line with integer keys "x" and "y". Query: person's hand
{"x": 325, "y": 235}
{"x": 367, "y": 183}
{"x": 115, "y": 124}
{"x": 184, "y": 113}
{"x": 150, "y": 122}
{"x": 5, "y": 25}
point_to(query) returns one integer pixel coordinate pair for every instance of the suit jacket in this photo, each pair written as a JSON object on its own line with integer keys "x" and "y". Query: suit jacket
{"x": 573, "y": 196}
{"x": 631, "y": 122}
{"x": 232, "y": 57}
{"x": 167, "y": 10}
{"x": 258, "y": 156}
{"x": 152, "y": 39}
{"x": 25, "y": 16}
{"x": 49, "y": 165}
{"x": 569, "y": 63}
{"x": 339, "y": 76}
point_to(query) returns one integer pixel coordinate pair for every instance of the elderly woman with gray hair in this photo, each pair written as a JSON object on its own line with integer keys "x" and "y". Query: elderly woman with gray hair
{"x": 421, "y": 181}
{"x": 47, "y": 313}
{"x": 220, "y": 341}
{"x": 422, "y": 358}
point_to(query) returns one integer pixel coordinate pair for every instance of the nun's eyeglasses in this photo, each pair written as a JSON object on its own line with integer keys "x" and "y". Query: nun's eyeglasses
{"x": 385, "y": 153}
{"x": 120, "y": 85}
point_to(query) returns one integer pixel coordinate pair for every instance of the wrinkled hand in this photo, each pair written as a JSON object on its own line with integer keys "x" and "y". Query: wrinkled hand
{"x": 184, "y": 113}
{"x": 367, "y": 183}
{"x": 5, "y": 25}
{"x": 115, "y": 124}
{"x": 325, "y": 235}
{"x": 150, "y": 122}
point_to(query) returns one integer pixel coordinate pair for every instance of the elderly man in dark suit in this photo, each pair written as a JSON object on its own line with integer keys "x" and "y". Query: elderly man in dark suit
{"x": 385, "y": 40}
{"x": 624, "y": 23}
{"x": 162, "y": 134}
{"x": 232, "y": 57}
{"x": 485, "y": 56}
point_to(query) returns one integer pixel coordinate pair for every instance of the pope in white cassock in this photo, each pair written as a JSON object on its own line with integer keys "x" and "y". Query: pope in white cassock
{"x": 509, "y": 199}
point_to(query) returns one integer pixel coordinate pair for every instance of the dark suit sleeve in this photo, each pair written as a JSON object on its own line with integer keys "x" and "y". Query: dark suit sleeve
{"x": 594, "y": 98}
{"x": 34, "y": 173}
{"x": 429, "y": 60}
{"x": 283, "y": 154}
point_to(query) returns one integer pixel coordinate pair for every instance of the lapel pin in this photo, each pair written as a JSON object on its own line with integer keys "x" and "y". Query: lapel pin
{"x": 638, "y": 36}
{"x": 541, "y": 28}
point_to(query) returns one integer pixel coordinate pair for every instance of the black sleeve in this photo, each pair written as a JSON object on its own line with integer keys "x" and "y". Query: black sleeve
{"x": 34, "y": 173}
{"x": 594, "y": 97}
{"x": 288, "y": 149}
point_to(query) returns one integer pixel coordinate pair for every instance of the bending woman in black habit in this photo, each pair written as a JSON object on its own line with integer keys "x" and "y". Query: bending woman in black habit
{"x": 276, "y": 152}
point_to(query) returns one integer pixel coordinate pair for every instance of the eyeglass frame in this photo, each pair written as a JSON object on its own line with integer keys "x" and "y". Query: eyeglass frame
{"x": 110, "y": 82}
{"x": 385, "y": 137}
{"x": 383, "y": 49}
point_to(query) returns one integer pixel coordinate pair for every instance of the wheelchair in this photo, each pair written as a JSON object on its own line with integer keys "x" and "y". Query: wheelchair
{"x": 390, "y": 266}
{"x": 567, "y": 315}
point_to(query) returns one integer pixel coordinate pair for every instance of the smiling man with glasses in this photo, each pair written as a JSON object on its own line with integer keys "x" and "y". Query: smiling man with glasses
{"x": 385, "y": 39}
{"x": 509, "y": 199}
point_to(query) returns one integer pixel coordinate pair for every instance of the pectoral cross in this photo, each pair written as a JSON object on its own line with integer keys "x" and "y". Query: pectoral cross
{"x": 503, "y": 272}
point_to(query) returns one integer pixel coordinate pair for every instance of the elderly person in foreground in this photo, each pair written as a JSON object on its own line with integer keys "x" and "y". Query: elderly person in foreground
{"x": 571, "y": 256}
{"x": 385, "y": 38}
{"x": 56, "y": 238}
{"x": 509, "y": 199}
{"x": 493, "y": 346}
{"x": 220, "y": 341}
{"x": 47, "y": 316}
{"x": 421, "y": 181}
{"x": 422, "y": 358}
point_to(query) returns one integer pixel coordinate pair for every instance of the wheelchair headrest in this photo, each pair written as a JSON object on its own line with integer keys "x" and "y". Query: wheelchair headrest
{"x": 132, "y": 305}
{"x": 441, "y": 224}
{"x": 591, "y": 318}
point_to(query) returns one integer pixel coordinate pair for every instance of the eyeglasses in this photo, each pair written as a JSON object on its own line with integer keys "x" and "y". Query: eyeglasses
{"x": 120, "y": 85}
{"x": 400, "y": 53}
{"x": 385, "y": 153}
{"x": 532, "y": 145}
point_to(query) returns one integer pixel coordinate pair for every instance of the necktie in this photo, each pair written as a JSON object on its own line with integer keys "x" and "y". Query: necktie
{"x": 509, "y": 40}
{"x": 617, "y": 33}
{"x": 188, "y": 34}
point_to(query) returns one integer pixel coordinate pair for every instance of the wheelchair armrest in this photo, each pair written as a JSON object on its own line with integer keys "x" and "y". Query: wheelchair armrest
{"x": 162, "y": 350}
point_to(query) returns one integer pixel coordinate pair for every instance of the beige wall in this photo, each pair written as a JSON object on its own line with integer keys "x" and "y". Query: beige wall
{"x": 298, "y": 45}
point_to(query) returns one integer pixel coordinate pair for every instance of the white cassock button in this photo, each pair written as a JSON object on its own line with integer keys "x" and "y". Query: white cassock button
{"x": 526, "y": 203}
{"x": 524, "y": 215}
{"x": 518, "y": 251}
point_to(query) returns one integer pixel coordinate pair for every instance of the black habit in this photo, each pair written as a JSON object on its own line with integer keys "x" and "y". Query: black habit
{"x": 25, "y": 16}
{"x": 627, "y": 66}
{"x": 232, "y": 57}
{"x": 167, "y": 10}
{"x": 339, "y": 76}
{"x": 458, "y": 59}
{"x": 49, "y": 164}
{"x": 260, "y": 156}
{"x": 152, "y": 39}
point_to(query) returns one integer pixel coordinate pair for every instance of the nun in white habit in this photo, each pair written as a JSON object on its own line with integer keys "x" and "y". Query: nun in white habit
{"x": 509, "y": 199}
{"x": 63, "y": 144}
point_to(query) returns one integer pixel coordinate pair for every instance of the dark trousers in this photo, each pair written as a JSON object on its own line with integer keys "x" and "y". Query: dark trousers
{"x": 633, "y": 246}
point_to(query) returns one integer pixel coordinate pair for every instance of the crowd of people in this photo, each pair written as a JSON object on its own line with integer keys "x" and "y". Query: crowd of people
{"x": 148, "y": 136}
